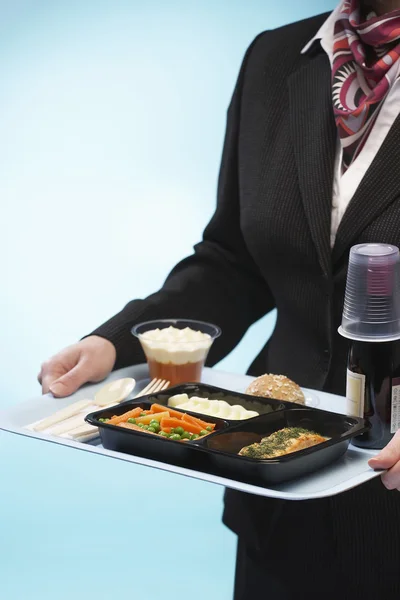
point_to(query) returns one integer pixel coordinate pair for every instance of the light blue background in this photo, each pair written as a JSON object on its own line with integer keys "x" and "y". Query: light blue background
{"x": 112, "y": 116}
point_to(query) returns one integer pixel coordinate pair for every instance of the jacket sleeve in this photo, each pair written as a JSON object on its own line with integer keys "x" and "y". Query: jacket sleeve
{"x": 219, "y": 282}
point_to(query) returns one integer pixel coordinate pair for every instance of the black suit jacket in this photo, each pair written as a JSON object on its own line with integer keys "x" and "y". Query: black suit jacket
{"x": 268, "y": 245}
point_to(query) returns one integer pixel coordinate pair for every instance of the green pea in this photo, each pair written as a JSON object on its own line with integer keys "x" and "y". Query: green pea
{"x": 145, "y": 427}
{"x": 164, "y": 433}
{"x": 151, "y": 429}
{"x": 102, "y": 420}
{"x": 209, "y": 428}
{"x": 154, "y": 421}
{"x": 141, "y": 425}
{"x": 156, "y": 427}
{"x": 179, "y": 430}
{"x": 143, "y": 414}
{"x": 133, "y": 421}
{"x": 194, "y": 436}
{"x": 175, "y": 436}
{"x": 186, "y": 435}
{"x": 203, "y": 432}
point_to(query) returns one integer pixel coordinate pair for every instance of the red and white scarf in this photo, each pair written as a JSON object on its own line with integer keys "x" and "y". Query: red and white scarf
{"x": 365, "y": 66}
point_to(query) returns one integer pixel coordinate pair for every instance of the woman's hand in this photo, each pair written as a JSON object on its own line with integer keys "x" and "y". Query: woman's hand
{"x": 389, "y": 458}
{"x": 90, "y": 360}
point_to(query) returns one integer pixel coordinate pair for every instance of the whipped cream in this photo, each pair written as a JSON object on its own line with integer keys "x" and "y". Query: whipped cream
{"x": 176, "y": 346}
{"x": 213, "y": 408}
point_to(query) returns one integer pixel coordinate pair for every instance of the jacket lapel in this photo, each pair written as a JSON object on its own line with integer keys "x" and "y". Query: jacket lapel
{"x": 377, "y": 190}
{"x": 314, "y": 141}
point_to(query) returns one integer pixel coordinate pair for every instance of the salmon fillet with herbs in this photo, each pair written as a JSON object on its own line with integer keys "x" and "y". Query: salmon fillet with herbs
{"x": 284, "y": 441}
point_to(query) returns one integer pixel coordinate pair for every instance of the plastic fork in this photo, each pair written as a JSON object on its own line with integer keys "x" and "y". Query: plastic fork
{"x": 155, "y": 385}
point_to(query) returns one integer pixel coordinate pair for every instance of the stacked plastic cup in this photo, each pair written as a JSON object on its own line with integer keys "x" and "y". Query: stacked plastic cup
{"x": 371, "y": 310}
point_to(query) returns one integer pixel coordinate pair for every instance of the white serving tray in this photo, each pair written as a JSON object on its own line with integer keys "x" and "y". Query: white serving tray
{"x": 349, "y": 471}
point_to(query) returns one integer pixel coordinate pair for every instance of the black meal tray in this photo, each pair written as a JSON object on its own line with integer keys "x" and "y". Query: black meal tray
{"x": 217, "y": 453}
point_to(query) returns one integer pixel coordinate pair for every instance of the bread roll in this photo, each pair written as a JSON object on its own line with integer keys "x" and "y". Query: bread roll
{"x": 278, "y": 387}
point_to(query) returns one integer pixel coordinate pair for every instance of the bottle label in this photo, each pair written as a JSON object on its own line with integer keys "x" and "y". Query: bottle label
{"x": 395, "y": 419}
{"x": 355, "y": 390}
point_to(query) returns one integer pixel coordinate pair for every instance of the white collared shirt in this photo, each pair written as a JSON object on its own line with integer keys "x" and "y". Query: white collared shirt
{"x": 345, "y": 185}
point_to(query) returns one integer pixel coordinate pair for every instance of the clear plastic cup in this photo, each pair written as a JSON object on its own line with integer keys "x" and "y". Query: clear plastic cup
{"x": 371, "y": 310}
{"x": 176, "y": 349}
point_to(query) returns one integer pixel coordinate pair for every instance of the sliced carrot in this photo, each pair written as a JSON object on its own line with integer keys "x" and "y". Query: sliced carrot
{"x": 131, "y": 414}
{"x": 196, "y": 421}
{"x": 190, "y": 427}
{"x": 157, "y": 417}
{"x": 171, "y": 422}
{"x": 135, "y": 428}
{"x": 166, "y": 429}
{"x": 174, "y": 413}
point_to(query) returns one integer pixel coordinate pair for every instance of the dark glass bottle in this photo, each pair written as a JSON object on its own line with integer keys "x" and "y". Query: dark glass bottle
{"x": 373, "y": 390}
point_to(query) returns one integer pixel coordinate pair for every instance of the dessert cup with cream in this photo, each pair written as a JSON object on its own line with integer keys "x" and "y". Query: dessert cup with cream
{"x": 176, "y": 349}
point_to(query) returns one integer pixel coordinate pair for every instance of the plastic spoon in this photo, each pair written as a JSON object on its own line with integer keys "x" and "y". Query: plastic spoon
{"x": 114, "y": 392}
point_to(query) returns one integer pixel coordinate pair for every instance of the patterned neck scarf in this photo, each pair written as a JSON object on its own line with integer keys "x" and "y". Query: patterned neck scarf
{"x": 365, "y": 66}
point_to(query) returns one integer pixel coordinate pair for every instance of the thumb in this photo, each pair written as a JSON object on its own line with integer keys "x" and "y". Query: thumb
{"x": 70, "y": 382}
{"x": 389, "y": 456}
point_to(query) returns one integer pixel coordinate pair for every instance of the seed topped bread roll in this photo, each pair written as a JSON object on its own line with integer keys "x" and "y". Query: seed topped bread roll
{"x": 278, "y": 387}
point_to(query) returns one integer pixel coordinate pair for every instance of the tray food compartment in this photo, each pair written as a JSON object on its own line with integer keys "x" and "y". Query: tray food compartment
{"x": 223, "y": 448}
{"x": 148, "y": 445}
{"x": 201, "y": 390}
